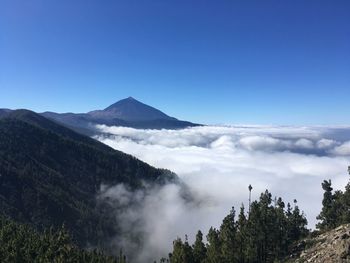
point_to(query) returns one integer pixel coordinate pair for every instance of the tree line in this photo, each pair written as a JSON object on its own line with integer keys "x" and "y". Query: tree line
{"x": 20, "y": 243}
{"x": 265, "y": 234}
{"x": 335, "y": 206}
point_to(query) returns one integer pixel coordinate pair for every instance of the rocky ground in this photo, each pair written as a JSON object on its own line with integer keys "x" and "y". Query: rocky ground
{"x": 332, "y": 246}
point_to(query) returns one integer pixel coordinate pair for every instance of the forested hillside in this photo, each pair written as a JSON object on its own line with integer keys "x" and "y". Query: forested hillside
{"x": 50, "y": 175}
{"x": 21, "y": 243}
{"x": 265, "y": 234}
{"x": 271, "y": 231}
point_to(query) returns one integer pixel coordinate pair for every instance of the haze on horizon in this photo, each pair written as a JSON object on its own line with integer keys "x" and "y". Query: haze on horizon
{"x": 230, "y": 62}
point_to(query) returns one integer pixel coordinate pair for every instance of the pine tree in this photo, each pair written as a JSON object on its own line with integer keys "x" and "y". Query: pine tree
{"x": 178, "y": 252}
{"x": 227, "y": 238}
{"x": 241, "y": 235}
{"x": 254, "y": 233}
{"x": 263, "y": 237}
{"x": 199, "y": 249}
{"x": 267, "y": 227}
{"x": 328, "y": 213}
{"x": 182, "y": 252}
{"x": 296, "y": 225}
{"x": 281, "y": 224}
{"x": 213, "y": 247}
{"x": 188, "y": 251}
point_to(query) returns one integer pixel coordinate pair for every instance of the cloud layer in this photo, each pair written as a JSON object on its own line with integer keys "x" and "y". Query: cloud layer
{"x": 218, "y": 163}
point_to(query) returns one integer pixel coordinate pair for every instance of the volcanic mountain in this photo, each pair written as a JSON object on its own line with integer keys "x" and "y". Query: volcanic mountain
{"x": 130, "y": 109}
{"x": 128, "y": 112}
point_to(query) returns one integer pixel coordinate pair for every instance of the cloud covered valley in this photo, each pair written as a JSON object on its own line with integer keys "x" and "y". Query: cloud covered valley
{"x": 218, "y": 163}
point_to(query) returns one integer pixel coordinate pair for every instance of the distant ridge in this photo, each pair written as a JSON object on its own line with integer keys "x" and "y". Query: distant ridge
{"x": 4, "y": 112}
{"x": 127, "y": 112}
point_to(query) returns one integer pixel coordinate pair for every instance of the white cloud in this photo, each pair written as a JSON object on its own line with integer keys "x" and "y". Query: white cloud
{"x": 304, "y": 143}
{"x": 264, "y": 143}
{"x": 218, "y": 164}
{"x": 343, "y": 149}
{"x": 326, "y": 144}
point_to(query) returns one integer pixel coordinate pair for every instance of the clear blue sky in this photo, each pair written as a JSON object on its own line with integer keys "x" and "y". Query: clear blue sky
{"x": 278, "y": 62}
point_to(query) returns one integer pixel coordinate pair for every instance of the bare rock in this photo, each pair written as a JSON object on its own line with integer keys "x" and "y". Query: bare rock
{"x": 331, "y": 246}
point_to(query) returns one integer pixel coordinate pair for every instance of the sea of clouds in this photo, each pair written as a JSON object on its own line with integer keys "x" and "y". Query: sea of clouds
{"x": 218, "y": 163}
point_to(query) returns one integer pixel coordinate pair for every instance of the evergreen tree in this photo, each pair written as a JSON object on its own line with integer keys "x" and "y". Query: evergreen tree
{"x": 336, "y": 207}
{"x": 254, "y": 234}
{"x": 177, "y": 256}
{"x": 268, "y": 229}
{"x": 213, "y": 247}
{"x": 188, "y": 251}
{"x": 328, "y": 213}
{"x": 19, "y": 243}
{"x": 265, "y": 236}
{"x": 342, "y": 205}
{"x": 227, "y": 238}
{"x": 297, "y": 224}
{"x": 199, "y": 249}
{"x": 182, "y": 252}
{"x": 281, "y": 225}
{"x": 241, "y": 235}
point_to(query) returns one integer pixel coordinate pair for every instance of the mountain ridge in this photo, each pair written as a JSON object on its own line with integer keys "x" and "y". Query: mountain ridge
{"x": 127, "y": 112}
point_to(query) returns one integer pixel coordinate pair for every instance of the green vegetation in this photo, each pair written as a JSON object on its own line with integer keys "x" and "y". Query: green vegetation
{"x": 335, "y": 207}
{"x": 50, "y": 176}
{"x": 268, "y": 233}
{"x": 264, "y": 235}
{"x": 20, "y": 243}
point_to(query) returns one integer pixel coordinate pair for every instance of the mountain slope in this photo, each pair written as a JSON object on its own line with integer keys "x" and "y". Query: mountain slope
{"x": 331, "y": 246}
{"x": 128, "y": 112}
{"x": 4, "y": 112}
{"x": 50, "y": 175}
{"x": 130, "y": 109}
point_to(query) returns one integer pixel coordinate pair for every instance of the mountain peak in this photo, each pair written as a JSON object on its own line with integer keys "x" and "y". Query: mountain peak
{"x": 123, "y": 102}
{"x": 130, "y": 109}
{"x": 127, "y": 112}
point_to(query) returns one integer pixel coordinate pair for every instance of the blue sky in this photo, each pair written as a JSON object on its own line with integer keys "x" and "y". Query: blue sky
{"x": 266, "y": 62}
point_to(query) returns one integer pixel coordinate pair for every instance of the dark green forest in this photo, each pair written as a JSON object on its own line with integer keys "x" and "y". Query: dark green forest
{"x": 268, "y": 233}
{"x": 50, "y": 176}
{"x": 262, "y": 235}
{"x": 20, "y": 243}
